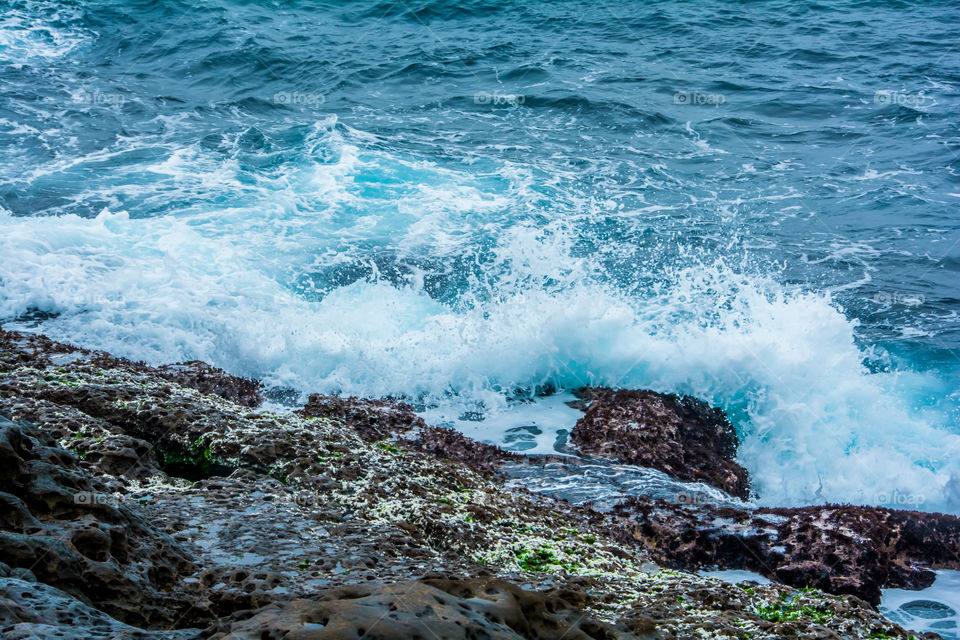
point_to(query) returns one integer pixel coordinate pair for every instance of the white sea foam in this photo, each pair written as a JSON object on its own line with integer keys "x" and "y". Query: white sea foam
{"x": 784, "y": 364}
{"x": 936, "y": 608}
{"x": 25, "y": 39}
{"x": 226, "y": 284}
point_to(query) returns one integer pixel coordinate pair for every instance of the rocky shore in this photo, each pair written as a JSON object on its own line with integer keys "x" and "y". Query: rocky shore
{"x": 161, "y": 502}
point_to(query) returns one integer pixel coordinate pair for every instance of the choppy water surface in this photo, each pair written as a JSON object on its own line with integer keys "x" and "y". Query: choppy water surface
{"x": 466, "y": 202}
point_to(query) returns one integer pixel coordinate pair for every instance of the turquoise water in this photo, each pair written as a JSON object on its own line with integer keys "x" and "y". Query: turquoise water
{"x": 469, "y": 202}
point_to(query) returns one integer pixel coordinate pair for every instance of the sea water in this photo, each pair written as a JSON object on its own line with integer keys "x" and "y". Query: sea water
{"x": 478, "y": 204}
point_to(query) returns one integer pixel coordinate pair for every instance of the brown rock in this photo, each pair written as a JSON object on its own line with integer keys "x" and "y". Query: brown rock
{"x": 448, "y": 444}
{"x": 838, "y": 549}
{"x": 206, "y": 379}
{"x": 449, "y": 609}
{"x": 373, "y": 420}
{"x": 376, "y": 420}
{"x": 679, "y": 435}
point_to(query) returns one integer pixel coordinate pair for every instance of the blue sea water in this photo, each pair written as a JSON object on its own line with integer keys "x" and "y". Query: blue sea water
{"x": 469, "y": 202}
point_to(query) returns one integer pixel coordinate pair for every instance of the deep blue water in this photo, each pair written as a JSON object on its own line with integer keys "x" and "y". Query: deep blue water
{"x": 465, "y": 201}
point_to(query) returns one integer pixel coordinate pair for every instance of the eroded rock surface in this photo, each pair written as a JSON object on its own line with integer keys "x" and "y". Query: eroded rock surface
{"x": 30, "y": 610}
{"x": 32, "y": 349}
{"x": 449, "y": 609}
{"x": 372, "y": 419}
{"x": 206, "y": 379}
{"x": 836, "y": 548}
{"x": 65, "y": 528}
{"x": 451, "y": 445}
{"x": 222, "y": 518}
{"x": 684, "y": 437}
{"x": 388, "y": 419}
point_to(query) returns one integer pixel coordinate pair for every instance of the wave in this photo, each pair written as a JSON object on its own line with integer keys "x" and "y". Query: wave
{"x": 816, "y": 425}
{"x": 463, "y": 247}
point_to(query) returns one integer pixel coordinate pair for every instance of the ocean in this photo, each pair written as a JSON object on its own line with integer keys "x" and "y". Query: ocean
{"x": 482, "y": 205}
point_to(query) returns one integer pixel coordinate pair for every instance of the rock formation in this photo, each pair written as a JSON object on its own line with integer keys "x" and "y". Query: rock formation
{"x": 681, "y": 436}
{"x": 136, "y": 505}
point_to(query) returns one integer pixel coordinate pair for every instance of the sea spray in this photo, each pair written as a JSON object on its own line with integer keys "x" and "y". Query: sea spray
{"x": 815, "y": 424}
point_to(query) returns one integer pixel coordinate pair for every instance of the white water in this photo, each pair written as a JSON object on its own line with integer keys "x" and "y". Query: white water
{"x": 218, "y": 285}
{"x": 936, "y": 608}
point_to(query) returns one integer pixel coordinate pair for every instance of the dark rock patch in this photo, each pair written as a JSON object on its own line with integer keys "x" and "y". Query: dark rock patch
{"x": 207, "y": 379}
{"x": 373, "y": 420}
{"x": 838, "y": 549}
{"x": 119, "y": 455}
{"x": 684, "y": 437}
{"x": 192, "y": 464}
{"x": 64, "y": 527}
{"x": 34, "y": 611}
{"x": 448, "y": 444}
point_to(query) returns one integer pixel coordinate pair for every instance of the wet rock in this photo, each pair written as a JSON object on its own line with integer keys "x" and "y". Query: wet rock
{"x": 120, "y": 456}
{"x": 206, "y": 379}
{"x": 838, "y": 549}
{"x": 69, "y": 532}
{"x": 681, "y": 436}
{"x": 266, "y": 510}
{"x": 448, "y": 444}
{"x": 30, "y": 611}
{"x": 382, "y": 420}
{"x": 18, "y": 348}
{"x": 373, "y": 420}
{"x": 449, "y": 609}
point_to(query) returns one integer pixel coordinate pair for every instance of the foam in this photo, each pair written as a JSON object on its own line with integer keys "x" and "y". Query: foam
{"x": 241, "y": 285}
{"x": 528, "y": 427}
{"x": 936, "y": 608}
{"x": 27, "y": 39}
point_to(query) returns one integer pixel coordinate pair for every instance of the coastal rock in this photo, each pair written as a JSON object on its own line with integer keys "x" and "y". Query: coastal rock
{"x": 31, "y": 611}
{"x": 384, "y": 419}
{"x": 684, "y": 437}
{"x": 18, "y": 348}
{"x": 449, "y": 609}
{"x": 206, "y": 379}
{"x": 240, "y": 512}
{"x": 839, "y": 549}
{"x": 103, "y": 449}
{"x": 372, "y": 419}
{"x": 63, "y": 527}
{"x": 448, "y": 444}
